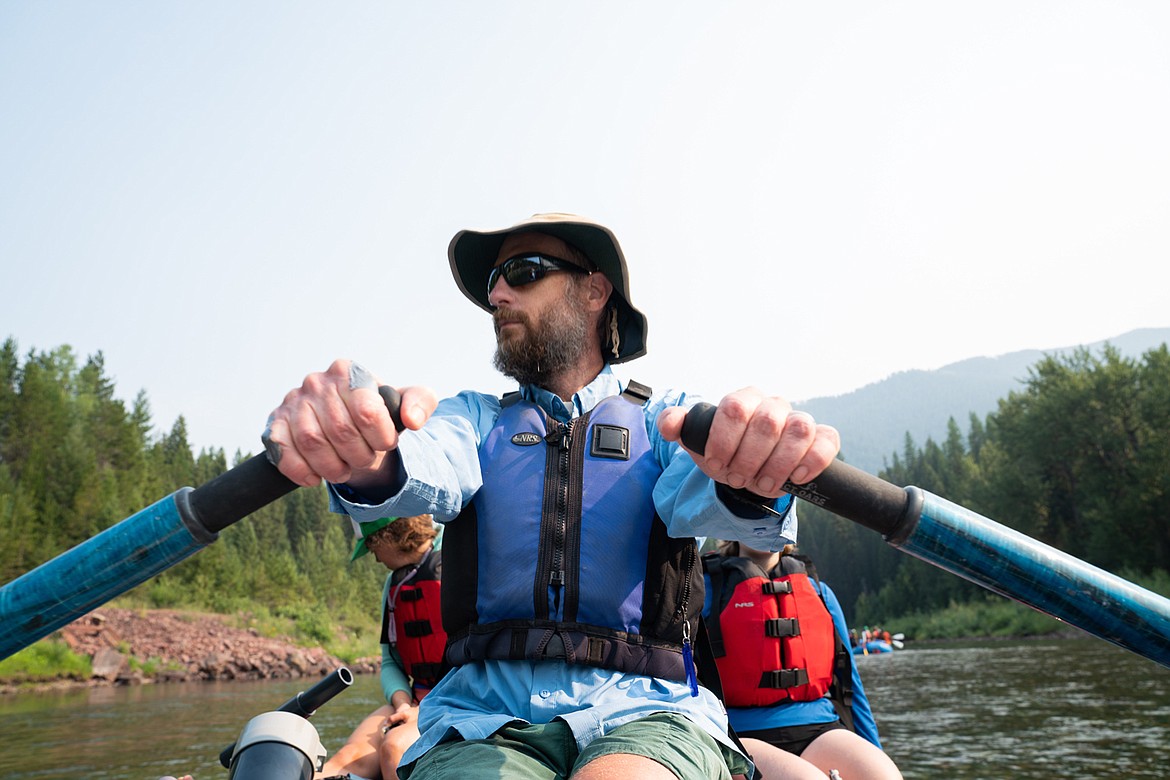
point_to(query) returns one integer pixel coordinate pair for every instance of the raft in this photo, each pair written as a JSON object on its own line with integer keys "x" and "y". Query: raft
{"x": 873, "y": 647}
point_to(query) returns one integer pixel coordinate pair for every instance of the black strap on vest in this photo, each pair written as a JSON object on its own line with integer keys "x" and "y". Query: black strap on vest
{"x": 713, "y": 629}
{"x": 427, "y": 675}
{"x": 841, "y": 688}
{"x": 637, "y": 393}
{"x": 387, "y": 619}
{"x": 708, "y": 673}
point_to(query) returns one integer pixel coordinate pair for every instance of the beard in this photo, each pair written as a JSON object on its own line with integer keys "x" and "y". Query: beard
{"x": 539, "y": 350}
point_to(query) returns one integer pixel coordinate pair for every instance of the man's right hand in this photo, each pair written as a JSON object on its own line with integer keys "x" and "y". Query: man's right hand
{"x": 335, "y": 427}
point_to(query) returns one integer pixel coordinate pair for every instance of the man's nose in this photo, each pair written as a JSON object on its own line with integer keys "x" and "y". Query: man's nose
{"x": 501, "y": 294}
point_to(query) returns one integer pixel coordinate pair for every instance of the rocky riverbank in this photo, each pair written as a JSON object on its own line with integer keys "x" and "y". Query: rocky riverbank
{"x": 131, "y": 647}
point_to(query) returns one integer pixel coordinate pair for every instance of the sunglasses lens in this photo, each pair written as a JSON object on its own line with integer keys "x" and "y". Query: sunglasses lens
{"x": 526, "y": 269}
{"x": 522, "y": 274}
{"x": 518, "y": 271}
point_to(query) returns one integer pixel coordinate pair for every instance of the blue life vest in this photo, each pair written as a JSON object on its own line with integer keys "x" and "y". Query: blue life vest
{"x": 561, "y": 553}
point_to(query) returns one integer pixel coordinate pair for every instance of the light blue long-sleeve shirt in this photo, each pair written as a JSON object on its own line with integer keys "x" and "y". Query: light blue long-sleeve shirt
{"x": 441, "y": 474}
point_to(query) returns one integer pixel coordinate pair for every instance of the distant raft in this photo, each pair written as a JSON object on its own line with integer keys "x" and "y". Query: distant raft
{"x": 872, "y": 647}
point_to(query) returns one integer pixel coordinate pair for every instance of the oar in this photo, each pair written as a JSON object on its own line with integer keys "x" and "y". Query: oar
{"x": 912, "y": 520}
{"x": 127, "y": 554}
{"x": 978, "y": 549}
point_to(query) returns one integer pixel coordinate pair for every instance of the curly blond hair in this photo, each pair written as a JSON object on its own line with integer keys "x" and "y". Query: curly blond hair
{"x": 406, "y": 533}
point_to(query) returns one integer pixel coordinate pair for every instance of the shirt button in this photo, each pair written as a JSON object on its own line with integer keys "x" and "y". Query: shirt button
{"x": 544, "y": 694}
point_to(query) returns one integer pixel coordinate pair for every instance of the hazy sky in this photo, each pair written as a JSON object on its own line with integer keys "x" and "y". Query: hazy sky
{"x": 224, "y": 196}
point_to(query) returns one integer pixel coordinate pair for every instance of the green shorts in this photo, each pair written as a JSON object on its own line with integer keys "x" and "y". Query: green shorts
{"x": 548, "y": 751}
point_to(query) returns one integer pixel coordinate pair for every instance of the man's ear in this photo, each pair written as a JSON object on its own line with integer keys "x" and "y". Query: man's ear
{"x": 598, "y": 289}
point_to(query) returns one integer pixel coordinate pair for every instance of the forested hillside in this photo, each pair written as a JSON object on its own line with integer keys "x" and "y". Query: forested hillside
{"x": 75, "y": 460}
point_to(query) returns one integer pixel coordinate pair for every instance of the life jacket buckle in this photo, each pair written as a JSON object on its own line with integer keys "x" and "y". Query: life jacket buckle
{"x": 778, "y": 628}
{"x": 775, "y": 587}
{"x": 784, "y": 678}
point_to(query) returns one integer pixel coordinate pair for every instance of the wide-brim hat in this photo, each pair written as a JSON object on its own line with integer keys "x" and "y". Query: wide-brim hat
{"x": 364, "y": 531}
{"x": 473, "y": 253}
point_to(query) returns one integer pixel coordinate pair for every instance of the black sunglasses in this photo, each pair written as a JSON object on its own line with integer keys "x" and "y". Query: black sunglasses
{"x": 525, "y": 269}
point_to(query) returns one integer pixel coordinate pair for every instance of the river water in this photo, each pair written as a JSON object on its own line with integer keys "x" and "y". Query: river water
{"x": 1026, "y": 710}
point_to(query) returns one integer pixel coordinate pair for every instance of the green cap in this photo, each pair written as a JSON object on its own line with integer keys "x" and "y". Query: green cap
{"x": 364, "y": 531}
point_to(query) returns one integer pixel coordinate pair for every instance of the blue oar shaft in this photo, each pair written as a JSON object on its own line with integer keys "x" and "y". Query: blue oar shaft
{"x": 131, "y": 552}
{"x": 141, "y": 546}
{"x": 1023, "y": 569}
{"x": 982, "y": 551}
{"x": 104, "y": 566}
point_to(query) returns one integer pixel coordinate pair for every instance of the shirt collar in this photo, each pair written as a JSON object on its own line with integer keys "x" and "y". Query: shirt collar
{"x": 603, "y": 385}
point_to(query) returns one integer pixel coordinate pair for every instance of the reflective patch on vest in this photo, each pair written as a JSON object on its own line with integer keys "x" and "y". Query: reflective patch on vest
{"x": 610, "y": 441}
{"x": 527, "y": 439}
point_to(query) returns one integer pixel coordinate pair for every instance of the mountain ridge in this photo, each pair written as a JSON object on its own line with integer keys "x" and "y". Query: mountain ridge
{"x": 875, "y": 419}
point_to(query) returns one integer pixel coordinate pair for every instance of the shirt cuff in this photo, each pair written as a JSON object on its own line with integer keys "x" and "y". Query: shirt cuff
{"x": 749, "y": 505}
{"x": 347, "y": 501}
{"x": 764, "y": 531}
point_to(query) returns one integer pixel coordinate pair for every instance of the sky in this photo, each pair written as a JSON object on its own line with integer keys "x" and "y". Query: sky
{"x": 222, "y": 197}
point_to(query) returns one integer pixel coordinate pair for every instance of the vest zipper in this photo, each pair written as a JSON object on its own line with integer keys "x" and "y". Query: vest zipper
{"x": 561, "y": 437}
{"x": 681, "y": 612}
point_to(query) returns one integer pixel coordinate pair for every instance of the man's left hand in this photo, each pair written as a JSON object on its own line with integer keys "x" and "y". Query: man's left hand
{"x": 758, "y": 442}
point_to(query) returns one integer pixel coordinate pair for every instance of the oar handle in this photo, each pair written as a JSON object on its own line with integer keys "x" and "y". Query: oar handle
{"x": 841, "y": 489}
{"x": 255, "y": 483}
{"x": 305, "y": 703}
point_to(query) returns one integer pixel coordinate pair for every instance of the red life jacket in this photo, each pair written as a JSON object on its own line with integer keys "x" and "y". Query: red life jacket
{"x": 413, "y": 604}
{"x": 773, "y": 639}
